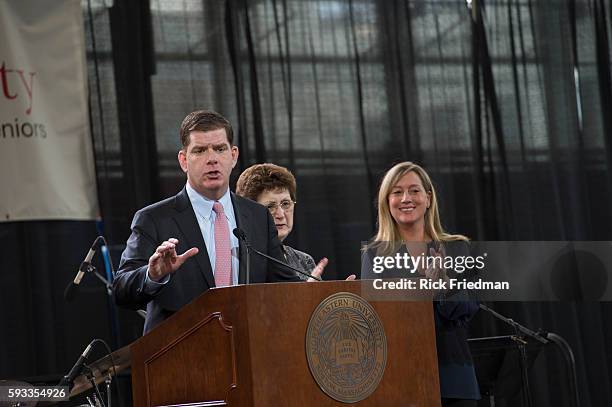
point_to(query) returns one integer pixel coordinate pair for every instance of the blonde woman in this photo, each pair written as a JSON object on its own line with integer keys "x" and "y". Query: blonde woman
{"x": 408, "y": 221}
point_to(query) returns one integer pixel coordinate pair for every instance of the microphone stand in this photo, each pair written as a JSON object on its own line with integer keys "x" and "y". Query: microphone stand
{"x": 549, "y": 337}
{"x": 242, "y": 238}
{"x": 108, "y": 389}
{"x": 109, "y": 287}
{"x": 97, "y": 396}
{"x": 248, "y": 265}
{"x": 517, "y": 327}
{"x": 90, "y": 268}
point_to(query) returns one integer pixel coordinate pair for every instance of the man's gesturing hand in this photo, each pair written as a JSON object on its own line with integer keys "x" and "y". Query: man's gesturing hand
{"x": 165, "y": 260}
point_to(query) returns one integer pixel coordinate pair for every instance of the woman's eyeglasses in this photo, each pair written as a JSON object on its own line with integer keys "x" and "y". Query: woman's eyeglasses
{"x": 286, "y": 205}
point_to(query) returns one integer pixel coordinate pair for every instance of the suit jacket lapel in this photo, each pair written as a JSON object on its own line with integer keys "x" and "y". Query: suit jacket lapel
{"x": 242, "y": 221}
{"x": 188, "y": 224}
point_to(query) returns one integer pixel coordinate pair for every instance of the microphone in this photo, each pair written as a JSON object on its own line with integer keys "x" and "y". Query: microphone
{"x": 239, "y": 233}
{"x": 76, "y": 369}
{"x": 71, "y": 288}
{"x": 514, "y": 324}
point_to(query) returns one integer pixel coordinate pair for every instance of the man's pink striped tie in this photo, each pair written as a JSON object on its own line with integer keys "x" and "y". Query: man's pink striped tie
{"x": 223, "y": 249}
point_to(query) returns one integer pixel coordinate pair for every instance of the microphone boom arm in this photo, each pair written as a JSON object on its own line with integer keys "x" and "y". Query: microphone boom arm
{"x": 239, "y": 233}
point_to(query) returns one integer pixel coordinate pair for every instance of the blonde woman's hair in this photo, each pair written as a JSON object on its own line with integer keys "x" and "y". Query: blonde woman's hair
{"x": 388, "y": 237}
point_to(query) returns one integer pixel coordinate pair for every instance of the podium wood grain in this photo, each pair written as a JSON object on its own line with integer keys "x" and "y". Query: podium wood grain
{"x": 245, "y": 346}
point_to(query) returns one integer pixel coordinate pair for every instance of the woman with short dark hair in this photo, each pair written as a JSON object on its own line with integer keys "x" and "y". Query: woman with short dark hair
{"x": 274, "y": 187}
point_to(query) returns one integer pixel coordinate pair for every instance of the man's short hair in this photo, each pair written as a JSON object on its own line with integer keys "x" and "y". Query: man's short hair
{"x": 204, "y": 120}
{"x": 259, "y": 178}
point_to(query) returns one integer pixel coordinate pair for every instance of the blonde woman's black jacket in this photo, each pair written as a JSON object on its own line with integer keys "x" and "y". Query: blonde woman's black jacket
{"x": 452, "y": 312}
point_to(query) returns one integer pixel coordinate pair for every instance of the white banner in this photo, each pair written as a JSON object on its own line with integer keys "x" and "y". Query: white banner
{"x": 46, "y": 157}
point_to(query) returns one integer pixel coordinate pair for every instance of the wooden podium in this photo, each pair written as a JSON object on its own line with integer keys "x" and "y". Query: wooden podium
{"x": 246, "y": 346}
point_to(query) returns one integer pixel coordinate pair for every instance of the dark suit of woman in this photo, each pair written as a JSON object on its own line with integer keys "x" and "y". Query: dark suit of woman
{"x": 452, "y": 311}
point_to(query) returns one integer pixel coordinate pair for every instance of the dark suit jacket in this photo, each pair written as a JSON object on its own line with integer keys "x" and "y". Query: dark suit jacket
{"x": 175, "y": 217}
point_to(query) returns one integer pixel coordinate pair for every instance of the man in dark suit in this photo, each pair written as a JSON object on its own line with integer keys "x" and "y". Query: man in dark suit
{"x": 197, "y": 222}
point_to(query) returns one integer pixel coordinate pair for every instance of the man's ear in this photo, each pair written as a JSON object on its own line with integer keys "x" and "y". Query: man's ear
{"x": 235, "y": 154}
{"x": 182, "y": 159}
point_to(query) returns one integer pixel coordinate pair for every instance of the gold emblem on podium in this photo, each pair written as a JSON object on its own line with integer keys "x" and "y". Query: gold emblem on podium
{"x": 346, "y": 347}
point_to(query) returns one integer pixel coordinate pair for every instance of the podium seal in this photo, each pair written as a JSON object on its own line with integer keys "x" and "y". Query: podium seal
{"x": 346, "y": 347}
